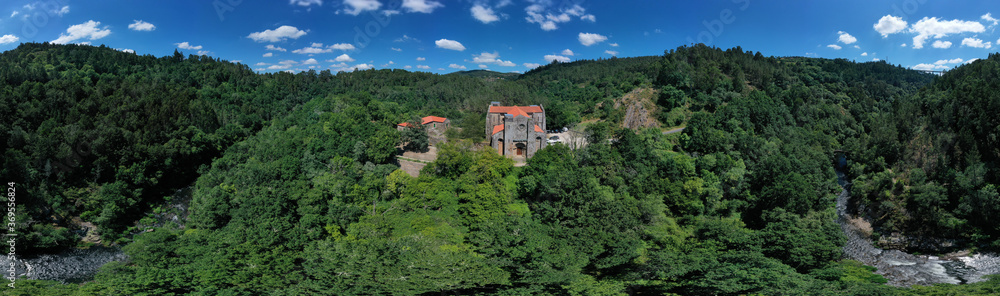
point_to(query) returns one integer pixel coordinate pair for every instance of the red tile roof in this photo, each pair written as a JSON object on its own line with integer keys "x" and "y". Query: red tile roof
{"x": 538, "y": 129}
{"x": 516, "y": 110}
{"x": 430, "y": 119}
{"x": 405, "y": 124}
{"x": 497, "y": 129}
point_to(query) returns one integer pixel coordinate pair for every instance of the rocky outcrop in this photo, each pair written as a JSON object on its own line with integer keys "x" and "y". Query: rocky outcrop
{"x": 639, "y": 108}
{"x": 411, "y": 167}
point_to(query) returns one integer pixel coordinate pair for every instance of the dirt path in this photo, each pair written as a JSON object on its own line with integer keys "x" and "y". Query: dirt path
{"x": 679, "y": 129}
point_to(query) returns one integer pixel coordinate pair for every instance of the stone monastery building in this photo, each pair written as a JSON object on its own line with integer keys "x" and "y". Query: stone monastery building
{"x": 515, "y": 131}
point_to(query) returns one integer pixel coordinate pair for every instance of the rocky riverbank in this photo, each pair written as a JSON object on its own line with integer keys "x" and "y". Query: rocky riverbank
{"x": 903, "y": 269}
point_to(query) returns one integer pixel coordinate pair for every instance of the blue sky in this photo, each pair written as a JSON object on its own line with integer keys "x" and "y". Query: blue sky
{"x": 444, "y": 36}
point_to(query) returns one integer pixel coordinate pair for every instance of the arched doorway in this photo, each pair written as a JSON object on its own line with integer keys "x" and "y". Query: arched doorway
{"x": 519, "y": 148}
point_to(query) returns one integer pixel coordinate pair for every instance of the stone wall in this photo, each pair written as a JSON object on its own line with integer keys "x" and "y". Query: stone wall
{"x": 518, "y": 132}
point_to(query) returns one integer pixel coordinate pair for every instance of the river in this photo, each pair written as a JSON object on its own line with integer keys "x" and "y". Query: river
{"x": 902, "y": 269}
{"x": 79, "y": 265}
{"x": 70, "y": 266}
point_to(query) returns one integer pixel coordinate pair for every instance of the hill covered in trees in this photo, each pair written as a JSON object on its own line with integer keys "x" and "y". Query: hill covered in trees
{"x": 487, "y": 74}
{"x": 936, "y": 170}
{"x": 296, "y": 191}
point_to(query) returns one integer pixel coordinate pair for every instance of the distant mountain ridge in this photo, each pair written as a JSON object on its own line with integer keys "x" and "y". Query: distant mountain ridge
{"x": 487, "y": 74}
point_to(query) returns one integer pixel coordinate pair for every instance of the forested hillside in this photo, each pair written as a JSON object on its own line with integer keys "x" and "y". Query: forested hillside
{"x": 937, "y": 168}
{"x": 296, "y": 191}
{"x": 103, "y": 135}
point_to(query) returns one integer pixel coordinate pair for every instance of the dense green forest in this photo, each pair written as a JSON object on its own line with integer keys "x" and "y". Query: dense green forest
{"x": 936, "y": 173}
{"x": 296, "y": 190}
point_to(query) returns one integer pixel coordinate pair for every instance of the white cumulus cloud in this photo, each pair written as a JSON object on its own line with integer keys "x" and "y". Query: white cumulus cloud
{"x": 62, "y": 11}
{"x": 484, "y": 14}
{"x": 834, "y": 46}
{"x": 934, "y": 28}
{"x": 425, "y": 67}
{"x": 929, "y": 67}
{"x": 88, "y": 30}
{"x": 343, "y": 58}
{"x": 139, "y": 25}
{"x": 274, "y": 48}
{"x": 890, "y": 25}
{"x": 532, "y": 65}
{"x": 567, "y": 52}
{"x": 424, "y": 6}
{"x": 312, "y": 50}
{"x": 449, "y": 44}
{"x": 8, "y": 39}
{"x": 186, "y": 45}
{"x": 306, "y": 2}
{"x": 941, "y": 44}
{"x": 355, "y": 7}
{"x": 611, "y": 52}
{"x": 951, "y": 61}
{"x": 548, "y": 20}
{"x": 588, "y": 39}
{"x": 989, "y": 18}
{"x": 864, "y": 54}
{"x": 940, "y": 64}
{"x": 456, "y": 66}
{"x": 267, "y": 55}
{"x": 279, "y": 34}
{"x": 846, "y": 38}
{"x": 975, "y": 42}
{"x": 491, "y": 58}
{"x": 310, "y": 62}
{"x": 485, "y": 58}
{"x": 317, "y": 48}
{"x": 342, "y": 46}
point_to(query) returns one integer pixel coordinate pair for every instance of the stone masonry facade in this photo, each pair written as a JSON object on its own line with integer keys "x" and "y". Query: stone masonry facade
{"x": 516, "y": 131}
